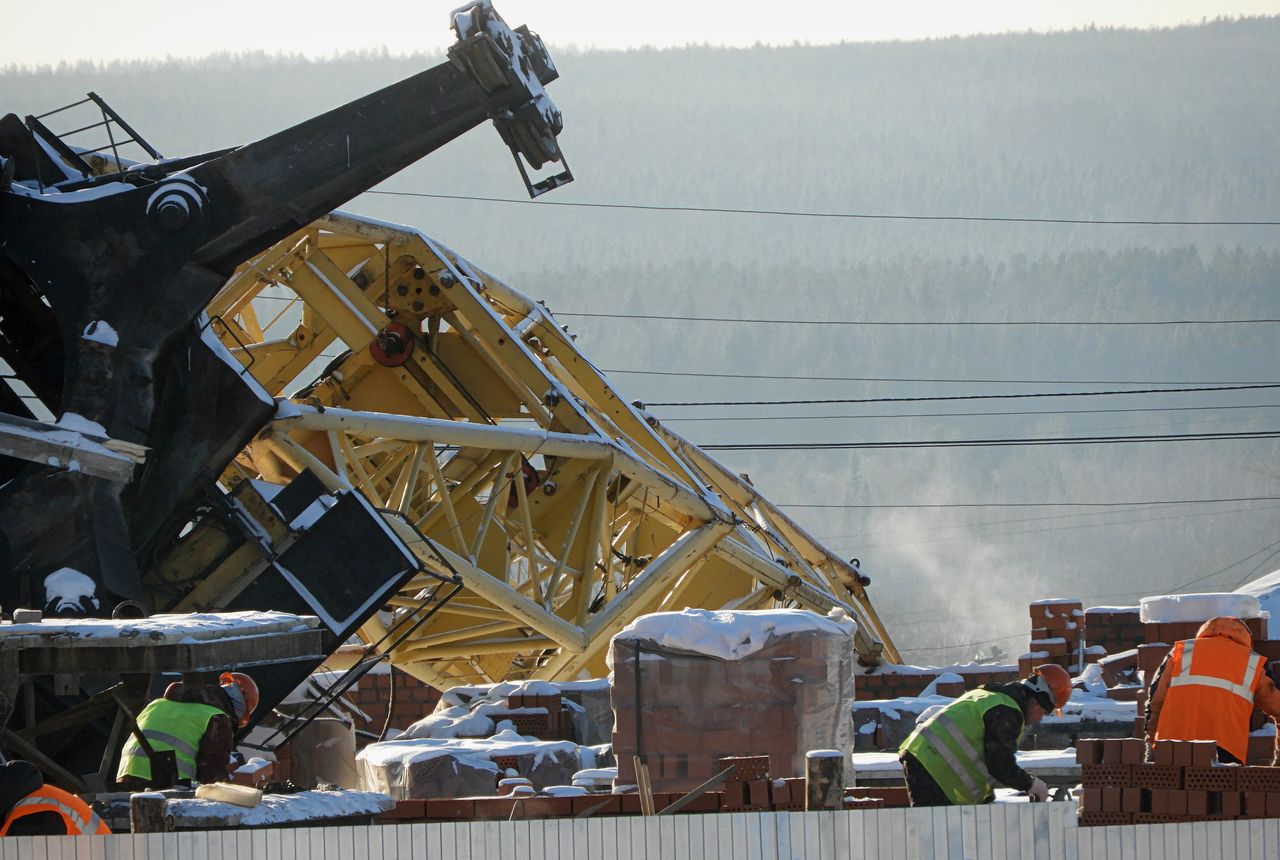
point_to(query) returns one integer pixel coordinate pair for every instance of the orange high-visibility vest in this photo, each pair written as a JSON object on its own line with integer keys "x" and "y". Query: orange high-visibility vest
{"x": 1210, "y": 695}
{"x": 76, "y": 814}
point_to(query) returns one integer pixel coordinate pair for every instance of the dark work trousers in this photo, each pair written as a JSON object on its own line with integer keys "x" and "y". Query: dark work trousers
{"x": 921, "y": 787}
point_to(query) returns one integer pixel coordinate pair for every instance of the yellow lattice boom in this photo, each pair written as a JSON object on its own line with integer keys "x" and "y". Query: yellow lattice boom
{"x": 442, "y": 393}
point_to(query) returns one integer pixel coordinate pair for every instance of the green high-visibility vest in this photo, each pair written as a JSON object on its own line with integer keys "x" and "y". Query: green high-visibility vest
{"x": 167, "y": 725}
{"x": 950, "y": 745}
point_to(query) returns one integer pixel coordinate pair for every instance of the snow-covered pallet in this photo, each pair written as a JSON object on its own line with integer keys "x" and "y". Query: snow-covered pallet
{"x": 998, "y": 831}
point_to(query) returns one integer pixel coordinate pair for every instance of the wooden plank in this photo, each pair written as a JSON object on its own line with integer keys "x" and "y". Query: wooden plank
{"x": 623, "y": 836}
{"x": 456, "y": 841}
{"x": 753, "y": 825}
{"x": 680, "y": 837}
{"x": 768, "y": 835}
{"x": 649, "y": 827}
{"x": 1200, "y": 840}
{"x": 782, "y": 834}
{"x": 998, "y": 823}
{"x": 840, "y": 834}
{"x": 1257, "y": 839}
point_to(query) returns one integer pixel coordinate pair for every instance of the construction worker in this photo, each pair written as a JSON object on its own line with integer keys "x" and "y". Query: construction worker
{"x": 1206, "y": 689}
{"x": 953, "y": 756}
{"x": 198, "y": 723}
{"x": 28, "y": 807}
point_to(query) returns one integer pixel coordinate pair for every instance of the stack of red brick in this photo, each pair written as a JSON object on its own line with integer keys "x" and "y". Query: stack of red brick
{"x": 894, "y": 685}
{"x": 1181, "y": 784}
{"x": 1113, "y": 629}
{"x": 749, "y": 789}
{"x": 413, "y": 700}
{"x": 545, "y": 717}
{"x": 1056, "y": 635}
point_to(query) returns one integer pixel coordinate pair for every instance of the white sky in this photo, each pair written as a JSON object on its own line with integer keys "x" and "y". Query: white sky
{"x": 129, "y": 29}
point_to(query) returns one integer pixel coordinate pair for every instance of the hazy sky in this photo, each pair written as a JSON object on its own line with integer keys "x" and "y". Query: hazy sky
{"x": 126, "y": 29}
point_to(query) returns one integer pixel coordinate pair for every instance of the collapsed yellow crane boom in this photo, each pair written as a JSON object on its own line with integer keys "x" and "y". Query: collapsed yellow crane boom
{"x": 455, "y": 400}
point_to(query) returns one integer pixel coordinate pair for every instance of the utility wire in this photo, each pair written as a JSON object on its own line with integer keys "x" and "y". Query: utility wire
{"x": 1057, "y": 517}
{"x": 794, "y": 378}
{"x": 892, "y": 323}
{"x": 963, "y": 396}
{"x": 992, "y": 443}
{"x": 962, "y": 414}
{"x": 963, "y": 644}
{"x": 865, "y": 216}
{"x": 1151, "y": 502}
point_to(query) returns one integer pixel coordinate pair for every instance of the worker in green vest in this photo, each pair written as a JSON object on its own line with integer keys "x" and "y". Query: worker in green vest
{"x": 952, "y": 758}
{"x": 198, "y": 723}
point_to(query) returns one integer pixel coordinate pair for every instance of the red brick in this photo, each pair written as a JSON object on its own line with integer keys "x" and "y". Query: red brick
{"x": 1255, "y": 804}
{"x": 893, "y": 796}
{"x": 1273, "y": 804}
{"x": 1157, "y": 776}
{"x": 1112, "y": 799}
{"x": 1112, "y": 750}
{"x": 449, "y": 808}
{"x": 1259, "y": 779}
{"x": 1197, "y": 804}
{"x": 1164, "y": 753}
{"x": 1177, "y": 802}
{"x": 1131, "y": 800}
{"x": 758, "y": 794}
{"x": 1132, "y": 750}
{"x": 1229, "y": 804}
{"x": 411, "y": 809}
{"x": 1103, "y": 819}
{"x": 612, "y": 804}
{"x": 1210, "y": 778}
{"x": 1107, "y": 774}
{"x": 1203, "y": 753}
{"x": 1089, "y": 751}
{"x": 1160, "y": 801}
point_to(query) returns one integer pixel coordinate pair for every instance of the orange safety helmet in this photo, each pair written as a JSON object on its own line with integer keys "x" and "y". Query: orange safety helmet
{"x": 1052, "y": 681}
{"x": 243, "y": 692}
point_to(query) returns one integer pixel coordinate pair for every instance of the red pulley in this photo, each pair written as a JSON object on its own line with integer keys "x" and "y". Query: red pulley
{"x": 393, "y": 345}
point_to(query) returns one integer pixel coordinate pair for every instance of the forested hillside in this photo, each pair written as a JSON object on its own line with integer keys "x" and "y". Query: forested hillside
{"x": 1165, "y": 125}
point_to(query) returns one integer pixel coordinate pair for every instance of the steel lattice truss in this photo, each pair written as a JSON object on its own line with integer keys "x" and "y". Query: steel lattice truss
{"x": 457, "y": 401}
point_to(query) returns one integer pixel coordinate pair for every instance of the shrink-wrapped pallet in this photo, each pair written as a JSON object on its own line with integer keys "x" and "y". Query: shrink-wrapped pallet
{"x": 423, "y": 768}
{"x": 691, "y": 687}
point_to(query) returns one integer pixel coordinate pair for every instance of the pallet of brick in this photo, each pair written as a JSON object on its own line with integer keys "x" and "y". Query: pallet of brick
{"x": 429, "y": 768}
{"x": 1172, "y": 617}
{"x": 1181, "y": 782}
{"x": 692, "y": 687}
{"x": 1113, "y": 628}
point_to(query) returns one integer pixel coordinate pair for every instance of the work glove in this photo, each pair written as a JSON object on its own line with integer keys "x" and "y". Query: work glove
{"x": 1038, "y": 792}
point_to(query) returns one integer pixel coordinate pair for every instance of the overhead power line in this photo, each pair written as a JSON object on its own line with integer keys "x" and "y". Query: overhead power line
{"x": 964, "y": 396}
{"x": 1040, "y": 504}
{"x": 963, "y": 414}
{"x": 793, "y": 378}
{"x": 861, "y": 216}
{"x": 993, "y": 443}
{"x": 890, "y": 323}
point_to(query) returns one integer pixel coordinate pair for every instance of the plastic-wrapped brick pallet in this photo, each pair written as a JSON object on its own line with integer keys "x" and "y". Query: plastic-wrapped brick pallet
{"x": 691, "y": 687}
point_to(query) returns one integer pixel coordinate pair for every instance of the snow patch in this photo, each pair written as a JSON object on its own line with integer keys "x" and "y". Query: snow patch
{"x": 1174, "y": 608}
{"x": 100, "y": 331}
{"x": 729, "y": 635}
{"x": 68, "y": 588}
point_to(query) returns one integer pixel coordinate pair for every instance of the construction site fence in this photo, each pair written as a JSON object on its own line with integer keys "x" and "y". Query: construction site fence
{"x": 1041, "y": 831}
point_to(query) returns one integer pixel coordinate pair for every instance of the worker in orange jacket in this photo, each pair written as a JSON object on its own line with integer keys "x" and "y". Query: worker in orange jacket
{"x": 1206, "y": 689}
{"x": 28, "y": 807}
